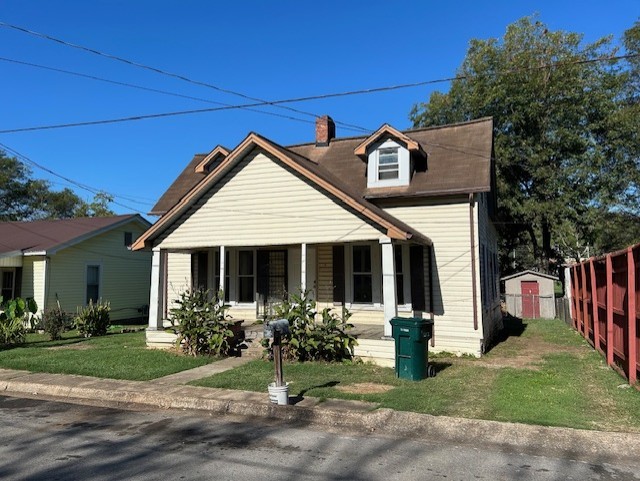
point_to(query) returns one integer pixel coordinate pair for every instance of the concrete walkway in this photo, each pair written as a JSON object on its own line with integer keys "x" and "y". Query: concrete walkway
{"x": 171, "y": 393}
{"x": 185, "y": 377}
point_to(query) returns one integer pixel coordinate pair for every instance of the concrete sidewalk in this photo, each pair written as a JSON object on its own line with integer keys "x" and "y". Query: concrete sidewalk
{"x": 169, "y": 393}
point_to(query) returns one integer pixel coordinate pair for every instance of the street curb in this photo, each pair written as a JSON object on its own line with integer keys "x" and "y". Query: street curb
{"x": 592, "y": 446}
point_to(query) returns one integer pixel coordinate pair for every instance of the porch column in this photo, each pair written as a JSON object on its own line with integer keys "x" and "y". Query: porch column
{"x": 388, "y": 284}
{"x": 303, "y": 267}
{"x": 222, "y": 257}
{"x": 156, "y": 292}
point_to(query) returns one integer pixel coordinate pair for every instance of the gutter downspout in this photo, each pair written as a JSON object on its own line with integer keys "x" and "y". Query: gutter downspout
{"x": 472, "y": 231}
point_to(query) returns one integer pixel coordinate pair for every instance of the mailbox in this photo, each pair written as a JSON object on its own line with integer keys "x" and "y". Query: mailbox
{"x": 279, "y": 325}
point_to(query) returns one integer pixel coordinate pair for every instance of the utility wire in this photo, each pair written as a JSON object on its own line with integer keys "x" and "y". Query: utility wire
{"x": 307, "y": 98}
{"x": 167, "y": 73}
{"x": 92, "y": 190}
{"x": 149, "y": 89}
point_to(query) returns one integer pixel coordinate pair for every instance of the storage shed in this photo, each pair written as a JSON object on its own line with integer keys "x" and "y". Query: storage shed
{"x": 530, "y": 294}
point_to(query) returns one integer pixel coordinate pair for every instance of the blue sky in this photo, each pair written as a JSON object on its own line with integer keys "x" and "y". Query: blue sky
{"x": 271, "y": 50}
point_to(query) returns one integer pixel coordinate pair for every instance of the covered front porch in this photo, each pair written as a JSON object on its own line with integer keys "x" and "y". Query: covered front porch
{"x": 375, "y": 280}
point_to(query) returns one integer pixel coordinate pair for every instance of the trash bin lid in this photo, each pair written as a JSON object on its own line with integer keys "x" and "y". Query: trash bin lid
{"x": 410, "y": 321}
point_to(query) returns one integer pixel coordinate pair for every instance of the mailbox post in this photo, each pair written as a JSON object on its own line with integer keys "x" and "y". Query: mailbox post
{"x": 278, "y": 391}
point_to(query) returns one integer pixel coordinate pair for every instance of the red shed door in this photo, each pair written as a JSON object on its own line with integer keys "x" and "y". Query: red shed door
{"x": 530, "y": 299}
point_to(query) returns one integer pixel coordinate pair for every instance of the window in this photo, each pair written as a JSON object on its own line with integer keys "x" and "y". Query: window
{"x": 388, "y": 166}
{"x": 362, "y": 278}
{"x": 128, "y": 239}
{"x": 397, "y": 252}
{"x": 227, "y": 275}
{"x": 7, "y": 285}
{"x": 246, "y": 277}
{"x": 93, "y": 283}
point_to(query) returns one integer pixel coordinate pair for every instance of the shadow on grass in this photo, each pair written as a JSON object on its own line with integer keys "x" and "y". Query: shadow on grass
{"x": 512, "y": 327}
{"x": 300, "y": 396}
{"x": 440, "y": 366}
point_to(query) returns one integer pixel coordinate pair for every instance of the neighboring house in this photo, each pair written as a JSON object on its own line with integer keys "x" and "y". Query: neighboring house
{"x": 394, "y": 223}
{"x": 74, "y": 260}
{"x": 530, "y": 294}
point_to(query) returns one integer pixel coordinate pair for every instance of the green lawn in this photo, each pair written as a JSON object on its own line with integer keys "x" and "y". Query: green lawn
{"x": 115, "y": 356}
{"x": 546, "y": 375}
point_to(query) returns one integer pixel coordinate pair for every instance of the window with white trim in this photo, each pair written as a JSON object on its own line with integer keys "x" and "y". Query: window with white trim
{"x": 389, "y": 165}
{"x": 7, "y": 284}
{"x": 93, "y": 283}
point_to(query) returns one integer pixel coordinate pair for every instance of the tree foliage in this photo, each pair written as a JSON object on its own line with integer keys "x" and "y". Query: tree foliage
{"x": 566, "y": 136}
{"x": 25, "y": 198}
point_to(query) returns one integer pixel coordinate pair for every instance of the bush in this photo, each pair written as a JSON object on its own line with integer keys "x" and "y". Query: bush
{"x": 55, "y": 322}
{"x": 13, "y": 316}
{"x": 93, "y": 320}
{"x": 202, "y": 323}
{"x": 325, "y": 340}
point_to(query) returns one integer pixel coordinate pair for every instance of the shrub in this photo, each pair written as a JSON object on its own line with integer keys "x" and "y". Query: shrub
{"x": 13, "y": 316}
{"x": 54, "y": 322}
{"x": 202, "y": 323}
{"x": 325, "y": 340}
{"x": 93, "y": 320}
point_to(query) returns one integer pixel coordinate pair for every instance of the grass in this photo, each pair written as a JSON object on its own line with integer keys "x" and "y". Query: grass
{"x": 542, "y": 373}
{"x": 114, "y": 356}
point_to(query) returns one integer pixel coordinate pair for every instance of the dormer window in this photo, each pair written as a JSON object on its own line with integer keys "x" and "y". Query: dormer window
{"x": 388, "y": 166}
{"x": 389, "y": 154}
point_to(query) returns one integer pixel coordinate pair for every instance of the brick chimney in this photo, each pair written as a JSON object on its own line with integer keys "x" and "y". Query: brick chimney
{"x": 325, "y": 130}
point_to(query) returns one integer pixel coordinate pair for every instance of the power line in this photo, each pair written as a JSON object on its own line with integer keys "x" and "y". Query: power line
{"x": 166, "y": 73}
{"x": 92, "y": 190}
{"x": 154, "y": 90}
{"x": 307, "y": 98}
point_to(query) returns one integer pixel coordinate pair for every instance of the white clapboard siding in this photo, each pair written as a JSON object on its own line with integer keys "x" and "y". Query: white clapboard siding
{"x": 377, "y": 351}
{"x": 178, "y": 276}
{"x": 124, "y": 274}
{"x": 262, "y": 202}
{"x": 446, "y": 223}
{"x": 33, "y": 268}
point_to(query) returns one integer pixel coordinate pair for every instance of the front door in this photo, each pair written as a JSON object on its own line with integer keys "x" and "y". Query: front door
{"x": 530, "y": 299}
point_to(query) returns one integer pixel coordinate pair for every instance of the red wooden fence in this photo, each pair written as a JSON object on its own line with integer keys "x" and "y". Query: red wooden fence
{"x": 605, "y": 296}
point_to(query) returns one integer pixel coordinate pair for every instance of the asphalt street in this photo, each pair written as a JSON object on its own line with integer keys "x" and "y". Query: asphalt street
{"x": 47, "y": 440}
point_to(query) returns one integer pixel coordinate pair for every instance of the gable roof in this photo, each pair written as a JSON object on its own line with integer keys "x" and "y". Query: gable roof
{"x": 218, "y": 152}
{"x": 386, "y": 131}
{"x": 535, "y": 273}
{"x": 44, "y": 237}
{"x": 458, "y": 161}
{"x": 303, "y": 166}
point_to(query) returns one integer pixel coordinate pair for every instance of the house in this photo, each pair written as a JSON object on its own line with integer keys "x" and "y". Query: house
{"x": 396, "y": 223}
{"x": 72, "y": 261}
{"x": 530, "y": 294}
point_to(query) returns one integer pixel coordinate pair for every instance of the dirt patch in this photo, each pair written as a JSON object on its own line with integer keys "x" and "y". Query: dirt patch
{"x": 78, "y": 346}
{"x": 521, "y": 353}
{"x": 365, "y": 388}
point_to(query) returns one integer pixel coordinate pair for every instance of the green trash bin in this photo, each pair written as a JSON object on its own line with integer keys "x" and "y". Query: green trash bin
{"x": 411, "y": 335}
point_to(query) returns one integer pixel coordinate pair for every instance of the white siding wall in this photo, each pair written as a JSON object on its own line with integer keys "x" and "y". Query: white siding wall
{"x": 33, "y": 279}
{"x": 446, "y": 222}
{"x": 124, "y": 275}
{"x": 178, "y": 276}
{"x": 261, "y": 202}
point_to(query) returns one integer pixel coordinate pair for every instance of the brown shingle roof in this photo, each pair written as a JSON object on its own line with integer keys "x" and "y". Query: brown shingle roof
{"x": 458, "y": 161}
{"x": 186, "y": 181}
{"x": 48, "y": 235}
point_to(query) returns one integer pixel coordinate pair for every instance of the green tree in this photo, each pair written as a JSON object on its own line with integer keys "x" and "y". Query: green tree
{"x": 566, "y": 140}
{"x": 25, "y": 198}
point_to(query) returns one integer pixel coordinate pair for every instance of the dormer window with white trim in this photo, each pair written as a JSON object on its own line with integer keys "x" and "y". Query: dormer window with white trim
{"x": 389, "y": 165}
